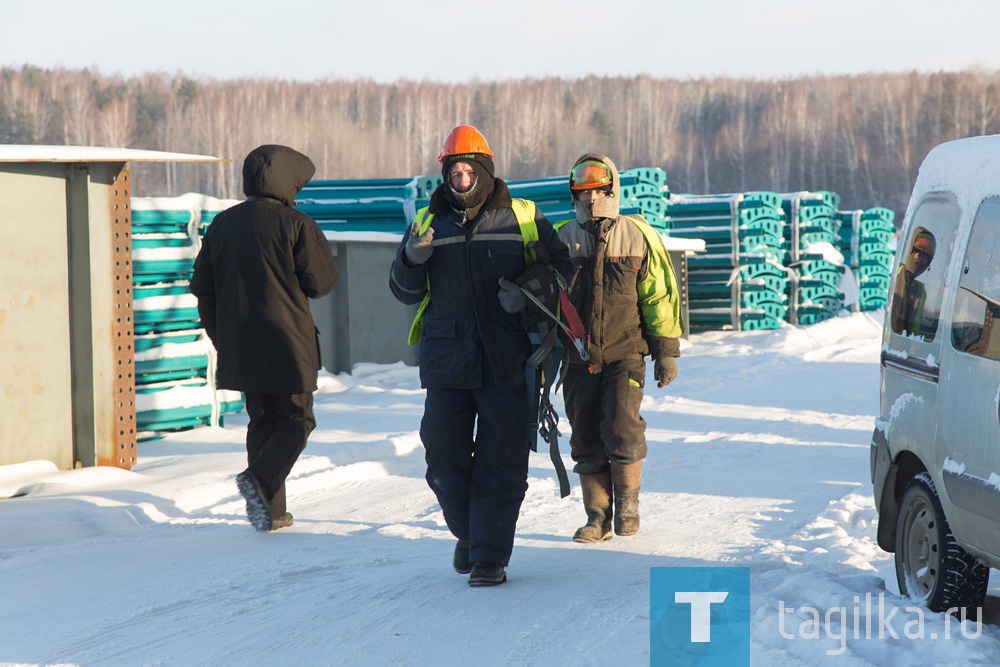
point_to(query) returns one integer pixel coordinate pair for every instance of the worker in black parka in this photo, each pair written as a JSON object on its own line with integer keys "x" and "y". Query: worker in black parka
{"x": 260, "y": 262}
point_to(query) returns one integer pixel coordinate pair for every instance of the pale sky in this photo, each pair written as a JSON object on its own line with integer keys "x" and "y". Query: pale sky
{"x": 455, "y": 41}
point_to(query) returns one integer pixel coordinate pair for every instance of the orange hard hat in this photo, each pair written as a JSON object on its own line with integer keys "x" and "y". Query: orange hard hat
{"x": 462, "y": 140}
{"x": 924, "y": 242}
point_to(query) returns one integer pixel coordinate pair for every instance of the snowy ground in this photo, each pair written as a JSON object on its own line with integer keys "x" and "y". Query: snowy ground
{"x": 758, "y": 456}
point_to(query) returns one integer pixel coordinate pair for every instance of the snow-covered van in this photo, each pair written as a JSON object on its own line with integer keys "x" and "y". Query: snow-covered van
{"x": 935, "y": 454}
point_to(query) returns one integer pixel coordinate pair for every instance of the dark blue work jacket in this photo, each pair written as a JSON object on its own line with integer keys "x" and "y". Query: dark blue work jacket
{"x": 464, "y": 320}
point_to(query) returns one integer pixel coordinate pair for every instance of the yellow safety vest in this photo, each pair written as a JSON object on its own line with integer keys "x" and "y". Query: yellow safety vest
{"x": 524, "y": 211}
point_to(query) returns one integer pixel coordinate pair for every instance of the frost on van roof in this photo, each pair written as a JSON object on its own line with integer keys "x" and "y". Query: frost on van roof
{"x": 968, "y": 167}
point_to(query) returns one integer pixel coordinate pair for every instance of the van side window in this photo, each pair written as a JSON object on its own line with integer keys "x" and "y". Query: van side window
{"x": 977, "y": 302}
{"x": 918, "y": 290}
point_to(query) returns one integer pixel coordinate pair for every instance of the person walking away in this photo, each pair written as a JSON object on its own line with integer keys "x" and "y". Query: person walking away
{"x": 260, "y": 262}
{"x": 473, "y": 347}
{"x": 626, "y": 293}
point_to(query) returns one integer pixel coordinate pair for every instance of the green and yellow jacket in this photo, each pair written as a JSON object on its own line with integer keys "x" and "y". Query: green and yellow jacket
{"x": 623, "y": 286}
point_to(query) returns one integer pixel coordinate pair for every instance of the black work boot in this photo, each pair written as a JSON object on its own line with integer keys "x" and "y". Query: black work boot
{"x": 258, "y": 508}
{"x": 461, "y": 561}
{"x": 597, "y": 503}
{"x": 625, "y": 478}
{"x": 487, "y": 574}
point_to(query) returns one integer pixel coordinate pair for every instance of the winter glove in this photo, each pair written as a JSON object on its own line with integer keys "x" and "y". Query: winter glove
{"x": 665, "y": 371}
{"x": 512, "y": 299}
{"x": 418, "y": 247}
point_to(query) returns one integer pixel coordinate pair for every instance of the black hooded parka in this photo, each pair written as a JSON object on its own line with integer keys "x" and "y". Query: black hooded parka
{"x": 259, "y": 264}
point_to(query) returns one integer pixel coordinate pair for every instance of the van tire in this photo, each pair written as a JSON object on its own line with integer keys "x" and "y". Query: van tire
{"x": 930, "y": 565}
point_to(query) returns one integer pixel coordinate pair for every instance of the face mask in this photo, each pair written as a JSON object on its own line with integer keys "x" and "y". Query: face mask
{"x": 584, "y": 210}
{"x": 599, "y": 207}
{"x": 476, "y": 195}
{"x": 464, "y": 200}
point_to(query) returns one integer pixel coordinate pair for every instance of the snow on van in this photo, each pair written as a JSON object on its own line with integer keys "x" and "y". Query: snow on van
{"x": 936, "y": 451}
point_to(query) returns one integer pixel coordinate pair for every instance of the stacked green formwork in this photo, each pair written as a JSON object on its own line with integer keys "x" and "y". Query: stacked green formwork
{"x": 388, "y": 205}
{"x": 816, "y": 288}
{"x": 370, "y": 205}
{"x": 740, "y": 281}
{"x": 813, "y": 237}
{"x": 868, "y": 239}
{"x": 164, "y": 245}
{"x": 812, "y": 218}
{"x": 174, "y": 360}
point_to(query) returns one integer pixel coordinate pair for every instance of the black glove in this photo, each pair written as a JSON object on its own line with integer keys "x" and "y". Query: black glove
{"x": 512, "y": 299}
{"x": 665, "y": 371}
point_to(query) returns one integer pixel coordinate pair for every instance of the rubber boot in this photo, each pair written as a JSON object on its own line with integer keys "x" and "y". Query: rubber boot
{"x": 597, "y": 503}
{"x": 280, "y": 518}
{"x": 625, "y": 478}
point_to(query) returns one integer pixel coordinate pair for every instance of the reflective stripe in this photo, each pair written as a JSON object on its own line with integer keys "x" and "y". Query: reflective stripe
{"x": 401, "y": 288}
{"x": 498, "y": 237}
{"x": 448, "y": 241}
{"x": 524, "y": 212}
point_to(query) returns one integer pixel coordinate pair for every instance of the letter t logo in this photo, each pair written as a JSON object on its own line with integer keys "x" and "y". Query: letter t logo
{"x": 701, "y": 611}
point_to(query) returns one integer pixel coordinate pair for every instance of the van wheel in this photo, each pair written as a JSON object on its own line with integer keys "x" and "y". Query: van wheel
{"x": 930, "y": 565}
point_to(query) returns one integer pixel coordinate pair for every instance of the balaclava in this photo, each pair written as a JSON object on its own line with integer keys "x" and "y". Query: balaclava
{"x": 609, "y": 206}
{"x": 472, "y": 200}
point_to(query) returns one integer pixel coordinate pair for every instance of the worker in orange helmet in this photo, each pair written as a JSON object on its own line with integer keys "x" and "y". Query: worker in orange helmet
{"x": 906, "y": 313}
{"x": 465, "y": 248}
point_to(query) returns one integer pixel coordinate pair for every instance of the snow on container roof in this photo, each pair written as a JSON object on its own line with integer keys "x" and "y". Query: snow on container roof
{"x": 36, "y": 153}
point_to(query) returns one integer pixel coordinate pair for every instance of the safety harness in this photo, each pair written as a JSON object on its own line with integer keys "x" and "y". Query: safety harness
{"x": 543, "y": 319}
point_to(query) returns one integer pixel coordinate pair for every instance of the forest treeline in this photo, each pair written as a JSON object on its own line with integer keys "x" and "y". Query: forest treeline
{"x": 860, "y": 136}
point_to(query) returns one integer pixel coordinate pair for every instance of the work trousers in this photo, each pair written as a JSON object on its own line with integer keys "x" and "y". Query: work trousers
{"x": 603, "y": 411}
{"x": 279, "y": 427}
{"x": 477, "y": 463}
